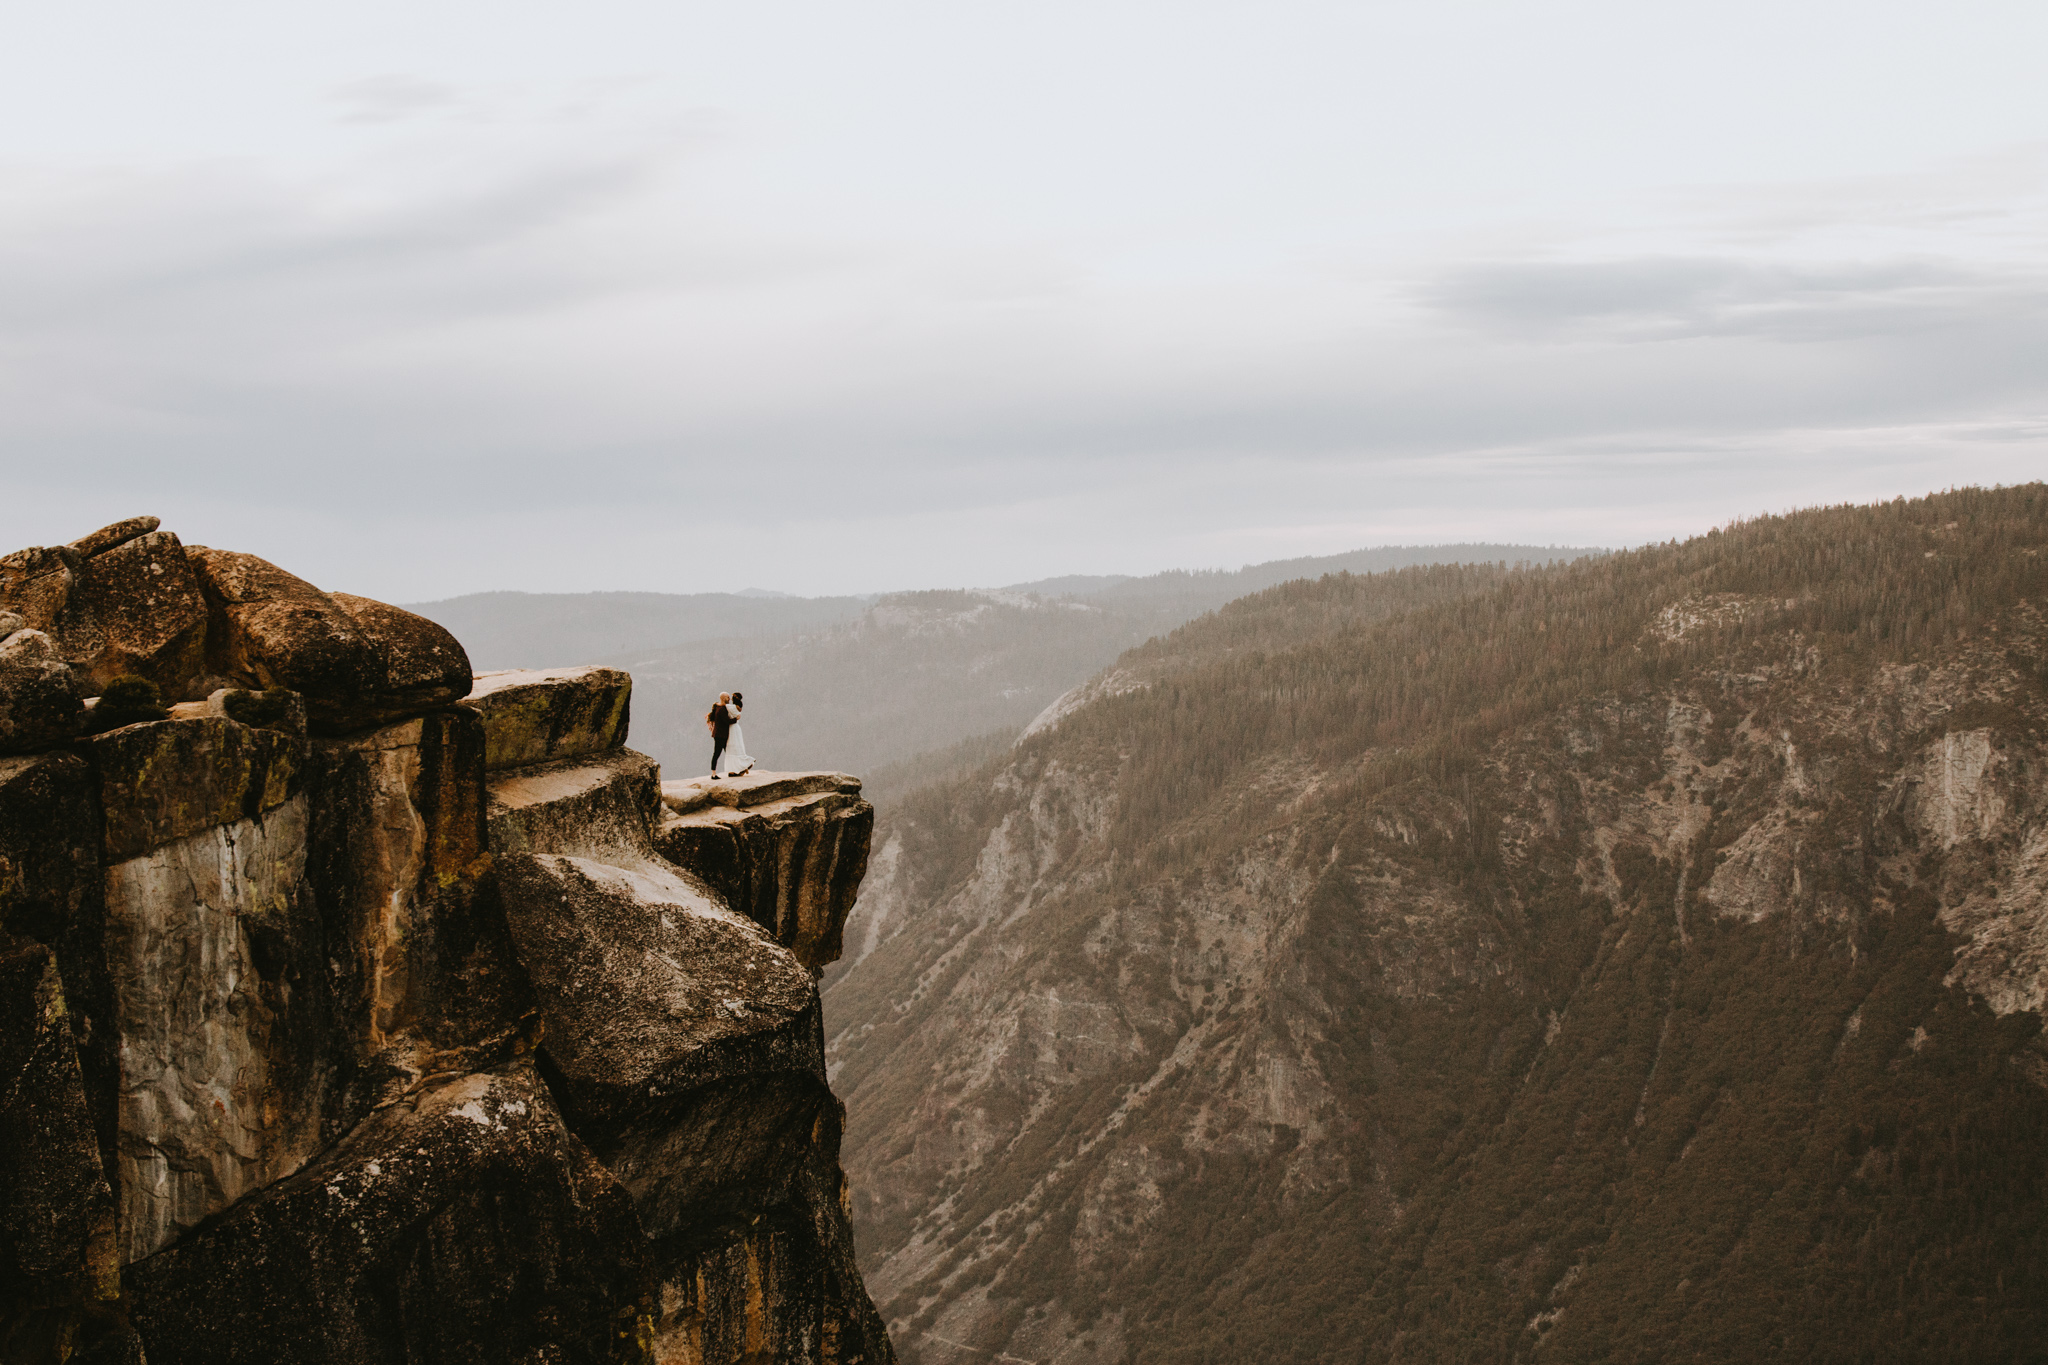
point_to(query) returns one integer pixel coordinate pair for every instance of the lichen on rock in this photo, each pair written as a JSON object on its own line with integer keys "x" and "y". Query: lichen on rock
{"x": 540, "y": 715}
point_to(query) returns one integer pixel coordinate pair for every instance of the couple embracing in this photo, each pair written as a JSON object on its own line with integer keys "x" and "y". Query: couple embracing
{"x": 729, "y": 756}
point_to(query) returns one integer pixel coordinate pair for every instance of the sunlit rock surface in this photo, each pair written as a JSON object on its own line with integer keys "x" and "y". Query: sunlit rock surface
{"x": 219, "y": 1054}
{"x": 538, "y": 715}
{"x": 383, "y": 1030}
{"x": 595, "y": 806}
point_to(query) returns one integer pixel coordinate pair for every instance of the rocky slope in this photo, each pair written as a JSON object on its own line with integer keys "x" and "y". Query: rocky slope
{"x": 1640, "y": 960}
{"x": 353, "y": 1009}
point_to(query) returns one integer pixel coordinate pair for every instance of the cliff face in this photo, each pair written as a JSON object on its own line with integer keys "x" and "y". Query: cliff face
{"x": 349, "y": 1011}
{"x": 1643, "y": 961}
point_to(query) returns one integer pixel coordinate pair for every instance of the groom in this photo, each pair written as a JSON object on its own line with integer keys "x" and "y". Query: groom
{"x": 719, "y": 722}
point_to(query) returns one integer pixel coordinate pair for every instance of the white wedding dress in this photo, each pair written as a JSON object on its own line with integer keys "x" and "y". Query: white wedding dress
{"x": 736, "y": 759}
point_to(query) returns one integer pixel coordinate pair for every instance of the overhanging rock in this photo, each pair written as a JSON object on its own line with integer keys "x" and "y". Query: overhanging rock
{"x": 689, "y": 1043}
{"x": 786, "y": 849}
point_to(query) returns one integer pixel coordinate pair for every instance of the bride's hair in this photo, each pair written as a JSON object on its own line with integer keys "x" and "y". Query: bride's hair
{"x": 738, "y": 700}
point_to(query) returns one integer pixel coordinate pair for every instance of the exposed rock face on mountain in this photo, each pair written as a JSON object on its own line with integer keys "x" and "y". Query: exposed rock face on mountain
{"x": 1638, "y": 961}
{"x": 361, "y": 1018}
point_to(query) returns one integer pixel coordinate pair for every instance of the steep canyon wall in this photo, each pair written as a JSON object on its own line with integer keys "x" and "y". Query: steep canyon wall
{"x": 1640, "y": 961}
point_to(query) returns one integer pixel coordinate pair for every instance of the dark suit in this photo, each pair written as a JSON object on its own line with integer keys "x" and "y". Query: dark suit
{"x": 721, "y": 731}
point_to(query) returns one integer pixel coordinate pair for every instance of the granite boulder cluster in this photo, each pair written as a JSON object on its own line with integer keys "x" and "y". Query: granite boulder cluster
{"x": 357, "y": 1009}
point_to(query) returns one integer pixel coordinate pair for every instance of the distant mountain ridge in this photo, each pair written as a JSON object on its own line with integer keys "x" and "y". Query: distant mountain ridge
{"x": 860, "y": 682}
{"x": 548, "y": 629}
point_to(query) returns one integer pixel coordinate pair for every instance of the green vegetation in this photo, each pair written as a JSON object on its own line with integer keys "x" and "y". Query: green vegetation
{"x": 1444, "y": 845}
{"x": 125, "y": 701}
{"x": 272, "y": 709}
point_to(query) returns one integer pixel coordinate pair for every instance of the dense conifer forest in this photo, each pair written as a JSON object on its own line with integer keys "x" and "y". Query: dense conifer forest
{"x": 1635, "y": 959}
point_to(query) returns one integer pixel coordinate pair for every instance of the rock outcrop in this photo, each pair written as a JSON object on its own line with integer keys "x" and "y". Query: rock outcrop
{"x": 40, "y": 700}
{"x": 385, "y": 1028}
{"x": 788, "y": 849}
{"x": 537, "y": 715}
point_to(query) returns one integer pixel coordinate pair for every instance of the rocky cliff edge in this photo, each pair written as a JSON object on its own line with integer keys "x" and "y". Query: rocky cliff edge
{"x": 356, "y": 1009}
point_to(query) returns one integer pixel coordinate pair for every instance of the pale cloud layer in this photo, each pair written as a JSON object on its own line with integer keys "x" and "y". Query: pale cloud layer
{"x": 427, "y": 299}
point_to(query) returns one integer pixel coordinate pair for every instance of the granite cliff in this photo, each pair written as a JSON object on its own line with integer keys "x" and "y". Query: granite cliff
{"x": 1638, "y": 960}
{"x": 354, "y": 1008}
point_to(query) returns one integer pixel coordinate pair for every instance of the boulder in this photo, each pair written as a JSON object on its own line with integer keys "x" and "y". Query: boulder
{"x": 40, "y": 702}
{"x": 462, "y": 1224}
{"x": 137, "y": 607}
{"x": 420, "y": 665}
{"x": 357, "y": 666}
{"x": 218, "y": 970}
{"x": 166, "y": 780}
{"x": 788, "y": 850}
{"x": 539, "y": 715}
{"x": 120, "y": 533}
{"x": 36, "y": 583}
{"x": 687, "y": 1043}
{"x": 598, "y": 807}
{"x": 277, "y": 630}
{"x": 423, "y": 973}
{"x": 56, "y": 1211}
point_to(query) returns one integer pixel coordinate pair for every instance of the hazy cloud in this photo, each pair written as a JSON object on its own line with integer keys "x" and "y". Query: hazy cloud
{"x": 638, "y": 300}
{"x": 1674, "y": 298}
{"x": 391, "y": 98}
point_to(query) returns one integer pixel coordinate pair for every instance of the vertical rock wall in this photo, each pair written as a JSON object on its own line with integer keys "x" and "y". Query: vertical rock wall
{"x": 366, "y": 1021}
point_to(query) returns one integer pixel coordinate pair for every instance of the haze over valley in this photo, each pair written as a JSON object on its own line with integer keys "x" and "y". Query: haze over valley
{"x": 891, "y": 682}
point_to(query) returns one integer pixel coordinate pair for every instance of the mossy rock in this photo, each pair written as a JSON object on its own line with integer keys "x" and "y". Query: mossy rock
{"x": 276, "y": 708}
{"x": 127, "y": 700}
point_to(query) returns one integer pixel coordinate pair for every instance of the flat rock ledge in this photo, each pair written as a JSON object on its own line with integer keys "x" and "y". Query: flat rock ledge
{"x": 755, "y": 789}
{"x": 788, "y": 850}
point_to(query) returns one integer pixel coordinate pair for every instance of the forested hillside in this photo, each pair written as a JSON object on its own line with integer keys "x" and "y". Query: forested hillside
{"x": 919, "y": 672}
{"x": 1640, "y": 959}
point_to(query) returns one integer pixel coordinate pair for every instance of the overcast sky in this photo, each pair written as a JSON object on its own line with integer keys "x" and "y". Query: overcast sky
{"x": 427, "y": 298}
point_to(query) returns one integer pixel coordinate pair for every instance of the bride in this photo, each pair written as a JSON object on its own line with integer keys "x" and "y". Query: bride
{"x": 738, "y": 762}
